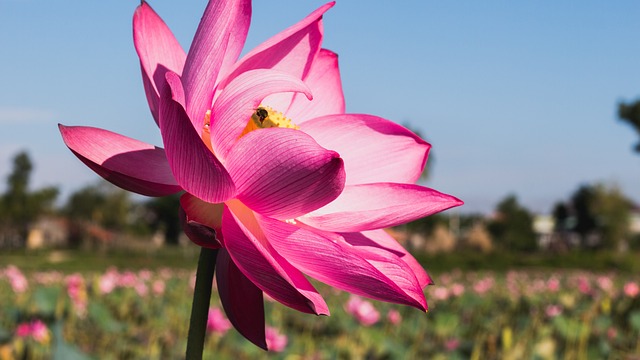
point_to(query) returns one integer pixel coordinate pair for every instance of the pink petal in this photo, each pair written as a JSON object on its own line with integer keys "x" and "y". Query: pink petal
{"x": 195, "y": 168}
{"x": 291, "y": 50}
{"x": 379, "y": 205}
{"x": 235, "y": 105}
{"x": 217, "y": 43}
{"x": 158, "y": 50}
{"x": 130, "y": 164}
{"x": 202, "y": 212}
{"x": 338, "y": 264}
{"x": 326, "y": 87}
{"x": 373, "y": 149}
{"x": 284, "y": 173}
{"x": 241, "y": 300}
{"x": 202, "y": 221}
{"x": 383, "y": 240}
{"x": 258, "y": 261}
{"x": 389, "y": 264}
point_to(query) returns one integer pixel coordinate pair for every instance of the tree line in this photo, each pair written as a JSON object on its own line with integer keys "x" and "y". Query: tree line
{"x": 99, "y": 205}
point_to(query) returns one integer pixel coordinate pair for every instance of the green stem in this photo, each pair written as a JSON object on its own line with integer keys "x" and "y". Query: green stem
{"x": 200, "y": 307}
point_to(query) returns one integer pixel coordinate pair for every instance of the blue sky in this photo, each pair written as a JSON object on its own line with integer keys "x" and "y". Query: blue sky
{"x": 514, "y": 97}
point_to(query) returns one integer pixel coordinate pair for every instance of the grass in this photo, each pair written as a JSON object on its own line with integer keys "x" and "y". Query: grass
{"x": 186, "y": 258}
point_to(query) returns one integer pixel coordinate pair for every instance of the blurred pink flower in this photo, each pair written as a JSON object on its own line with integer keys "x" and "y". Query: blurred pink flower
{"x": 107, "y": 282}
{"x": 276, "y": 341}
{"x": 145, "y": 274}
{"x": 440, "y": 293}
{"x": 452, "y": 344}
{"x": 584, "y": 285}
{"x": 217, "y": 323}
{"x": 362, "y": 310}
{"x": 457, "y": 289}
{"x": 394, "y": 317}
{"x": 483, "y": 285}
{"x": 40, "y": 331}
{"x": 23, "y": 330}
{"x": 127, "y": 279}
{"x": 605, "y": 283}
{"x": 158, "y": 287}
{"x": 18, "y": 281}
{"x": 631, "y": 289}
{"x": 35, "y": 329}
{"x": 77, "y": 292}
{"x": 612, "y": 333}
{"x": 141, "y": 288}
{"x": 553, "y": 284}
{"x": 553, "y": 310}
{"x": 275, "y": 173}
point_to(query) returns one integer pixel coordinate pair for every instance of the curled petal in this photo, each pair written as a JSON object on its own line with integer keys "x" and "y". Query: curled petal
{"x": 125, "y": 162}
{"x": 284, "y": 173}
{"x": 158, "y": 51}
{"x": 235, "y": 105}
{"x": 325, "y": 84}
{"x": 241, "y": 299}
{"x": 201, "y": 221}
{"x": 380, "y": 239}
{"x": 195, "y": 168}
{"x": 373, "y": 149}
{"x": 338, "y": 264}
{"x": 379, "y": 205}
{"x": 259, "y": 262}
{"x": 217, "y": 43}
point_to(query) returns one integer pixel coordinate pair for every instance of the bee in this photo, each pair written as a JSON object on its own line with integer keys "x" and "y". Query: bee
{"x": 262, "y": 114}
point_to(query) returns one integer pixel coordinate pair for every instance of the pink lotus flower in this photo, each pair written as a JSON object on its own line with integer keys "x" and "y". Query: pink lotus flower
{"x": 77, "y": 291}
{"x": 394, "y": 317}
{"x": 35, "y": 329}
{"x": 284, "y": 185}
{"x": 631, "y": 289}
{"x": 23, "y": 330}
{"x": 17, "y": 280}
{"x": 457, "y": 289}
{"x": 158, "y": 287}
{"x": 362, "y": 310}
{"x": 217, "y": 323}
{"x": 276, "y": 341}
{"x": 553, "y": 310}
{"x": 40, "y": 331}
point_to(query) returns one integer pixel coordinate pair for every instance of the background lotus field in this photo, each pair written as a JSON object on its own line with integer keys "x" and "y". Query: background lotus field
{"x": 143, "y": 312}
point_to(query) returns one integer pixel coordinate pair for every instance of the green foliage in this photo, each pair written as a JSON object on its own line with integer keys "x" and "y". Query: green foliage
{"x": 512, "y": 228}
{"x": 19, "y": 206}
{"x": 163, "y": 213}
{"x": 102, "y": 204}
{"x": 630, "y": 113}
{"x": 515, "y": 315}
{"x": 599, "y": 213}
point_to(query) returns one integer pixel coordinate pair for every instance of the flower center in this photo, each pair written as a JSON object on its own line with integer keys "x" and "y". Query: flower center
{"x": 265, "y": 117}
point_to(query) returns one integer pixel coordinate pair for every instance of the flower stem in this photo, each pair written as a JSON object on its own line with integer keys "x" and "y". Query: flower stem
{"x": 201, "y": 299}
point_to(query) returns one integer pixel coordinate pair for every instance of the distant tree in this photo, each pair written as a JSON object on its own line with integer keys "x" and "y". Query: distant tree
{"x": 612, "y": 210}
{"x": 512, "y": 227}
{"x": 601, "y": 216}
{"x": 19, "y": 207}
{"x": 164, "y": 216}
{"x": 582, "y": 207}
{"x": 630, "y": 113}
{"x": 101, "y": 204}
{"x": 561, "y": 216}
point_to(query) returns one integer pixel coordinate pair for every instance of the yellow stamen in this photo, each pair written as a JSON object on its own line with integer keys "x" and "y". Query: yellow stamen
{"x": 265, "y": 117}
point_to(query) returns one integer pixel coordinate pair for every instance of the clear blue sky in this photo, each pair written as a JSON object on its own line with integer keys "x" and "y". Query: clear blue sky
{"x": 515, "y": 97}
